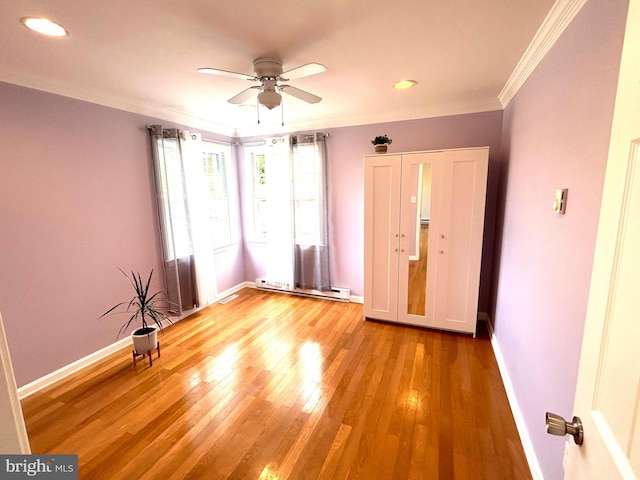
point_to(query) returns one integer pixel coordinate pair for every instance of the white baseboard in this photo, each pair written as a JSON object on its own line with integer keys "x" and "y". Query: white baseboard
{"x": 56, "y": 376}
{"x": 356, "y": 299}
{"x": 53, "y": 377}
{"x": 525, "y": 439}
{"x": 237, "y": 288}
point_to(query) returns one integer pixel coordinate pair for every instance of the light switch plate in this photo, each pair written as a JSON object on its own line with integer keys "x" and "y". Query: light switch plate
{"x": 560, "y": 202}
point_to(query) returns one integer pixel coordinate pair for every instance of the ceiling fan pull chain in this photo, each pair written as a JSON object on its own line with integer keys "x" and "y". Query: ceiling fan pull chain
{"x": 258, "y": 109}
{"x": 282, "y": 111}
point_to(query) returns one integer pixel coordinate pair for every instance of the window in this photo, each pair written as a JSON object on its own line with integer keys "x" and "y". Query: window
{"x": 215, "y": 158}
{"x": 256, "y": 162}
{"x": 307, "y": 185}
{"x": 177, "y": 243}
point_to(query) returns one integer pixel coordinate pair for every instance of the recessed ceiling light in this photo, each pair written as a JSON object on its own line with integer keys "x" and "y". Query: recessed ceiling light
{"x": 44, "y": 26}
{"x": 404, "y": 84}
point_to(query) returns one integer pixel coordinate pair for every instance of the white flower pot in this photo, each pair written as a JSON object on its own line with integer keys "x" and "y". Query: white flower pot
{"x": 145, "y": 342}
{"x": 381, "y": 148}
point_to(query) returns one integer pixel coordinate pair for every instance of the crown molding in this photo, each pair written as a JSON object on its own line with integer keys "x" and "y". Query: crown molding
{"x": 188, "y": 120}
{"x": 96, "y": 97}
{"x": 431, "y": 111}
{"x": 558, "y": 19}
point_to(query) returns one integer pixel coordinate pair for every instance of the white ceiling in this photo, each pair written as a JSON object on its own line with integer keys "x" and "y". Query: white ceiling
{"x": 142, "y": 56}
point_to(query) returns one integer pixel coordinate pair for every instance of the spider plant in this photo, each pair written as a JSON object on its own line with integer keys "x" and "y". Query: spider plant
{"x": 147, "y": 307}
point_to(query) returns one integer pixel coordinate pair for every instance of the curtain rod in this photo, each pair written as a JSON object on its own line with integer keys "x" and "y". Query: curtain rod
{"x": 306, "y": 137}
{"x": 237, "y": 143}
{"x": 265, "y": 139}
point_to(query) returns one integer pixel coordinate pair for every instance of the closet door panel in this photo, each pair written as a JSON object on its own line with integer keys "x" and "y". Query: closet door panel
{"x": 382, "y": 218}
{"x": 460, "y": 242}
{"x": 418, "y": 221}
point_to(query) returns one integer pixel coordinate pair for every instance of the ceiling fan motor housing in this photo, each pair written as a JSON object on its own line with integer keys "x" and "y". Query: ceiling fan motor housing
{"x": 267, "y": 67}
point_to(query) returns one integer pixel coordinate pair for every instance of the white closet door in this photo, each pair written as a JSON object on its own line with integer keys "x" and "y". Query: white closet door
{"x": 381, "y": 225}
{"x": 461, "y": 204}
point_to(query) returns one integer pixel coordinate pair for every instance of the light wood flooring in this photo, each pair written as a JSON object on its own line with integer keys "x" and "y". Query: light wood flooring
{"x": 416, "y": 301}
{"x": 273, "y": 386}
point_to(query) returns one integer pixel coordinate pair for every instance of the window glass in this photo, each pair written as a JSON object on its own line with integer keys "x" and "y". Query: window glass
{"x": 177, "y": 244}
{"x": 214, "y": 158}
{"x": 307, "y": 187}
{"x": 255, "y": 157}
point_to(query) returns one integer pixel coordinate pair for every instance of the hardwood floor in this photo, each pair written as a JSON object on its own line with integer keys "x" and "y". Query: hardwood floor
{"x": 273, "y": 386}
{"x": 416, "y": 301}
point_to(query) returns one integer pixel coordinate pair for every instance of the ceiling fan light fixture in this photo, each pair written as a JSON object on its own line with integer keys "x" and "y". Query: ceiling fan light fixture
{"x": 268, "y": 72}
{"x": 44, "y": 26}
{"x": 269, "y": 99}
{"x": 404, "y": 84}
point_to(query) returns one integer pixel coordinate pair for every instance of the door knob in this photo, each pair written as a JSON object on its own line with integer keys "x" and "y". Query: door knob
{"x": 556, "y": 425}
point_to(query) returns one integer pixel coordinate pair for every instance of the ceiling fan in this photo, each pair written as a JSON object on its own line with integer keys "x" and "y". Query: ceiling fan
{"x": 268, "y": 72}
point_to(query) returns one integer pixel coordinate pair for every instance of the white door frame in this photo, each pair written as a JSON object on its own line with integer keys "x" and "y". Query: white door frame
{"x": 13, "y": 433}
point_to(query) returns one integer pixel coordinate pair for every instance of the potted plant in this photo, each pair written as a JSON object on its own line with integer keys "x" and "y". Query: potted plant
{"x": 149, "y": 308}
{"x": 380, "y": 143}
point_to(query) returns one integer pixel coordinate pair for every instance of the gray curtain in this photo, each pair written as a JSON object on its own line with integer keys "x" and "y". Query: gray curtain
{"x": 173, "y": 216}
{"x": 310, "y": 213}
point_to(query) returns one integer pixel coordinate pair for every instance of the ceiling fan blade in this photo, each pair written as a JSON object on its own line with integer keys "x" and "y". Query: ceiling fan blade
{"x": 224, "y": 73}
{"x": 303, "y": 71}
{"x": 244, "y": 95}
{"x": 300, "y": 94}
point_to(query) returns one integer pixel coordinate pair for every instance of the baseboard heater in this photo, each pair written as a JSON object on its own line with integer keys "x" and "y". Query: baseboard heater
{"x": 338, "y": 294}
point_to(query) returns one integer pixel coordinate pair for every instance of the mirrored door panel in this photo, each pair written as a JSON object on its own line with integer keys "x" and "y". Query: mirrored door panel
{"x": 416, "y": 220}
{"x": 418, "y": 241}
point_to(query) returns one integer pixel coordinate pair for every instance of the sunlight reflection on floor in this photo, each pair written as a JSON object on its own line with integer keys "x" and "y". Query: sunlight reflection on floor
{"x": 224, "y": 366}
{"x": 310, "y": 369}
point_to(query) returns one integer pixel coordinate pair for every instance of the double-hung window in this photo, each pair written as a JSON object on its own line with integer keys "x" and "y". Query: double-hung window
{"x": 256, "y": 165}
{"x": 306, "y": 184}
{"x": 307, "y": 190}
{"x": 215, "y": 160}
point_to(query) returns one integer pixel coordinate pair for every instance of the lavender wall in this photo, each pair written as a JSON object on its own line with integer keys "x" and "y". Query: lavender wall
{"x": 76, "y": 201}
{"x": 556, "y": 135}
